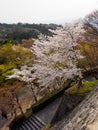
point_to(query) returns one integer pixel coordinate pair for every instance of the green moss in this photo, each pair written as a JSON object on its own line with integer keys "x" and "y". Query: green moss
{"x": 84, "y": 118}
{"x": 84, "y": 89}
{"x": 47, "y": 127}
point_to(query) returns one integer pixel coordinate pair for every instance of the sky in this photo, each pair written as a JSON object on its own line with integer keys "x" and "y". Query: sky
{"x": 45, "y": 11}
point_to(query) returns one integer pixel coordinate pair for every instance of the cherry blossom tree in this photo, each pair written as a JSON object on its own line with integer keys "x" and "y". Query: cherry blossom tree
{"x": 57, "y": 56}
{"x": 56, "y": 59}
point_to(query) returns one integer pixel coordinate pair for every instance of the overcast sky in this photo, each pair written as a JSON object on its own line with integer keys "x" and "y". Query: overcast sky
{"x": 44, "y": 11}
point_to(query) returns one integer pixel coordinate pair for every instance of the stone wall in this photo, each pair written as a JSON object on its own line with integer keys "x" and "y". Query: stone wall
{"x": 84, "y": 116}
{"x": 68, "y": 103}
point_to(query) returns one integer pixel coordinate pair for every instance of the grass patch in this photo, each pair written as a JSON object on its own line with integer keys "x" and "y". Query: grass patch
{"x": 86, "y": 87}
{"x": 47, "y": 127}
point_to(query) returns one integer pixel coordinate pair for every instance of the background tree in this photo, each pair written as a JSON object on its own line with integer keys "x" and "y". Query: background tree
{"x": 12, "y": 56}
{"x": 89, "y": 44}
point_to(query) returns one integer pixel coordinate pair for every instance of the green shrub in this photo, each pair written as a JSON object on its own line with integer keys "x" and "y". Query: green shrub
{"x": 86, "y": 87}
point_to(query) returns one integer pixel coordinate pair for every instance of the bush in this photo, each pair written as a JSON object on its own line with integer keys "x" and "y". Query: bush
{"x": 12, "y": 56}
{"x": 84, "y": 89}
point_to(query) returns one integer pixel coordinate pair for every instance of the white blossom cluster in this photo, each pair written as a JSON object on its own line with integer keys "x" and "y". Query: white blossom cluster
{"x": 23, "y": 74}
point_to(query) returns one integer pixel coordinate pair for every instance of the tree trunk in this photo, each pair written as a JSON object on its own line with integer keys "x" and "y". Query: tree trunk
{"x": 35, "y": 98}
{"x": 80, "y": 83}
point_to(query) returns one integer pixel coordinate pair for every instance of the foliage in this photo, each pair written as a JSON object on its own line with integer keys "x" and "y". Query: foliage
{"x": 17, "y": 32}
{"x": 12, "y": 57}
{"x": 89, "y": 43}
{"x": 90, "y": 53}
